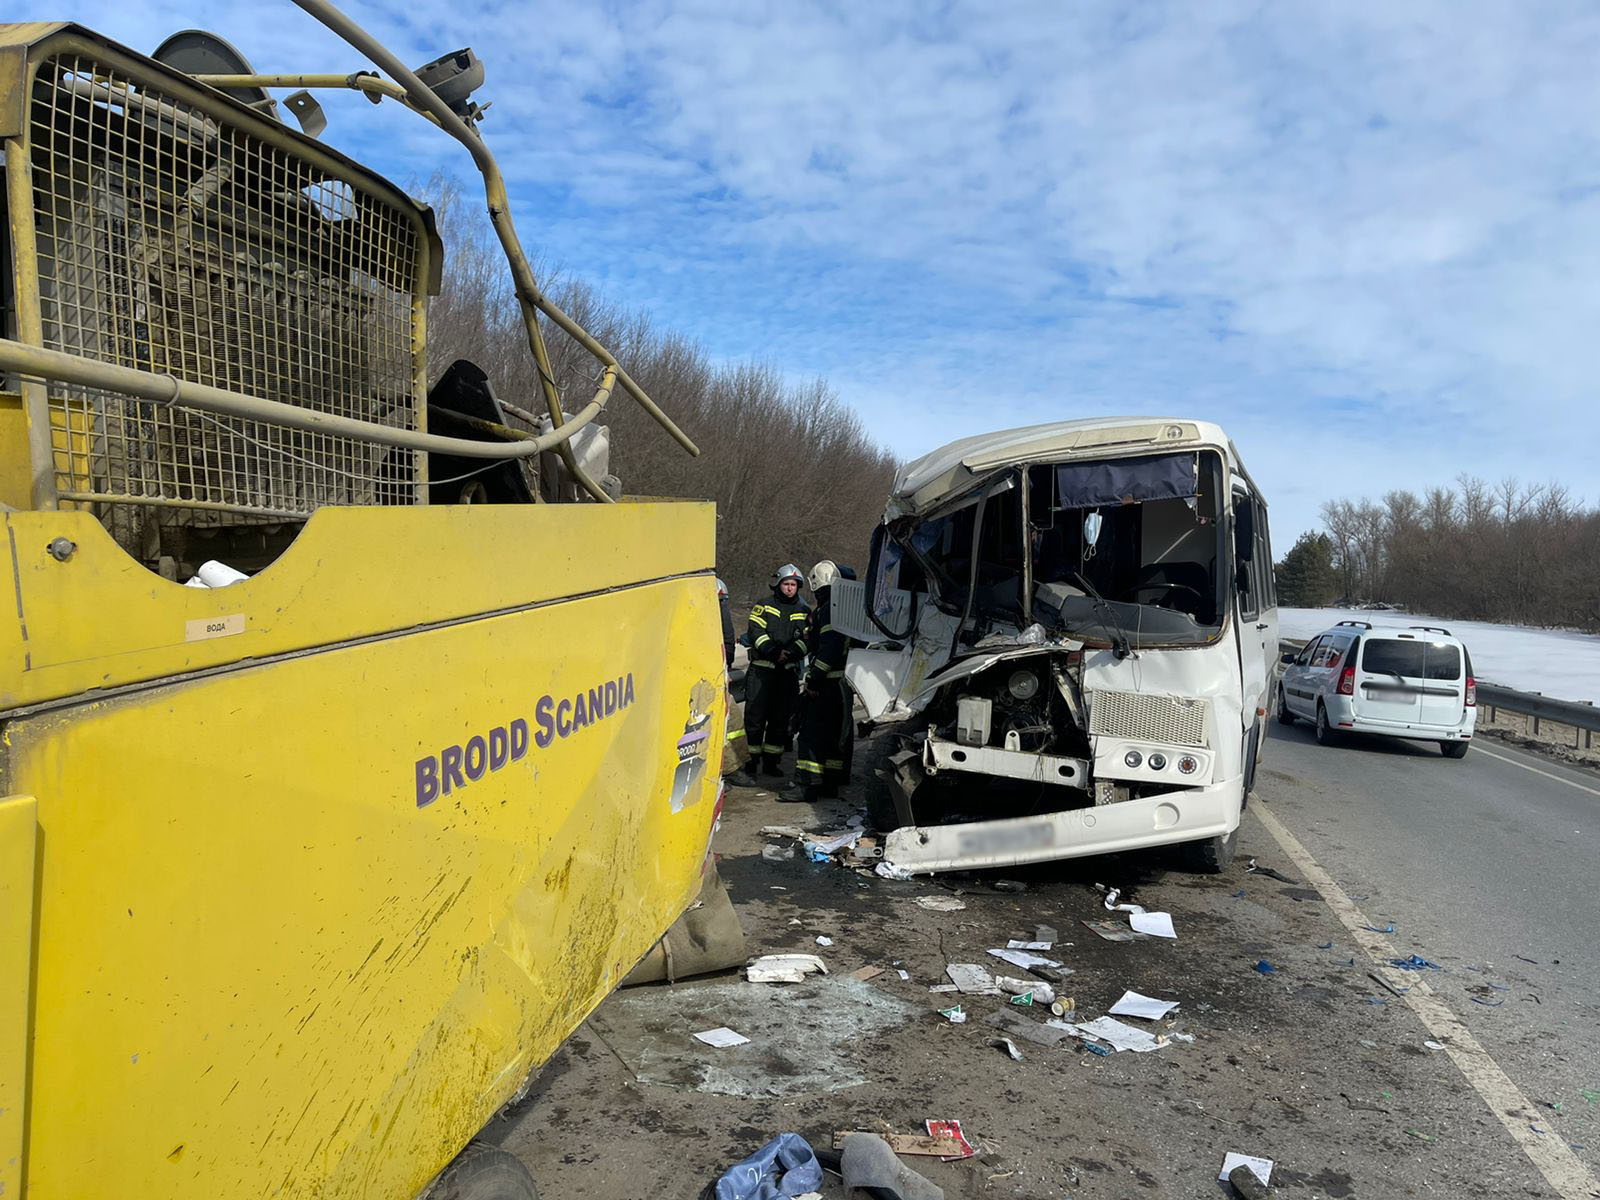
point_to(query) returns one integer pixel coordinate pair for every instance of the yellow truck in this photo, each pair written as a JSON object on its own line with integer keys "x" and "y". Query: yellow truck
{"x": 303, "y": 874}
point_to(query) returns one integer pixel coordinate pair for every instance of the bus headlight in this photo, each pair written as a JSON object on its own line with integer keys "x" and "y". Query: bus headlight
{"x": 1133, "y": 758}
{"x": 1158, "y": 762}
{"x": 1188, "y": 764}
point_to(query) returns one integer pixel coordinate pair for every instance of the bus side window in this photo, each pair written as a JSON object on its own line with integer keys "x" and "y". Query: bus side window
{"x": 1263, "y": 560}
{"x": 1246, "y": 571}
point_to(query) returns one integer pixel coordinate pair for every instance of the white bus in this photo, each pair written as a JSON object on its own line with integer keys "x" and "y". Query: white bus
{"x": 1072, "y": 627}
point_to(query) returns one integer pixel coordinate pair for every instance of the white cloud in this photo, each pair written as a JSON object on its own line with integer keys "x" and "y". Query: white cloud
{"x": 977, "y": 215}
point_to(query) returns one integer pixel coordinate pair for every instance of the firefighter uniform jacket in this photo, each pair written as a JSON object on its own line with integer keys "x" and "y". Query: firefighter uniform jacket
{"x": 828, "y": 649}
{"x": 778, "y": 625}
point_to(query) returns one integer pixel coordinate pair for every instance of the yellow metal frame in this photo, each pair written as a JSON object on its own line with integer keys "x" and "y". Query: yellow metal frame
{"x": 273, "y": 955}
{"x": 23, "y": 47}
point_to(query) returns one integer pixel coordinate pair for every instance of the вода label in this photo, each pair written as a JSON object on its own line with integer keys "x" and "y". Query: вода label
{"x": 213, "y": 627}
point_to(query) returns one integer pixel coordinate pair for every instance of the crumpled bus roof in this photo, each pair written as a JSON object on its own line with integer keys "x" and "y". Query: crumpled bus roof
{"x": 950, "y": 470}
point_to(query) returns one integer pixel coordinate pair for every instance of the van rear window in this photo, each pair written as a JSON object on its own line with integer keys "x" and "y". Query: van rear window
{"x": 1414, "y": 660}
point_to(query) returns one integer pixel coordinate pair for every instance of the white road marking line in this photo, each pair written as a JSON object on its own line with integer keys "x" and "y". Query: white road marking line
{"x": 1555, "y": 1160}
{"x": 1477, "y": 749}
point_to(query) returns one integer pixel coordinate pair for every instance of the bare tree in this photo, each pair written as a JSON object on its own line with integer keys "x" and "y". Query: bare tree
{"x": 790, "y": 466}
{"x": 1526, "y": 553}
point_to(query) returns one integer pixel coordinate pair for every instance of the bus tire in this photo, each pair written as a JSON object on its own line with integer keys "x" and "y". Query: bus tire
{"x": 881, "y": 811}
{"x": 1325, "y": 732}
{"x": 1210, "y": 856}
{"x": 484, "y": 1172}
{"x": 1454, "y": 749}
{"x": 1285, "y": 717}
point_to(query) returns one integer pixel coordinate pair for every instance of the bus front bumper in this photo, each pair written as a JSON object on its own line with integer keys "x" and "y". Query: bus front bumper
{"x": 1185, "y": 815}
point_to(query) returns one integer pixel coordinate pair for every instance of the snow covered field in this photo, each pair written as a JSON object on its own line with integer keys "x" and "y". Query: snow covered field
{"x": 1556, "y": 662}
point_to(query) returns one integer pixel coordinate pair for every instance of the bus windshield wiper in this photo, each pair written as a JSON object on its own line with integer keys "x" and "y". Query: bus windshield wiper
{"x": 1108, "y": 619}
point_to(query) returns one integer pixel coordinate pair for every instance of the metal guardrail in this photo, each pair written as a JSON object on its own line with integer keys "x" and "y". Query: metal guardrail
{"x": 1540, "y": 708}
{"x": 1580, "y": 716}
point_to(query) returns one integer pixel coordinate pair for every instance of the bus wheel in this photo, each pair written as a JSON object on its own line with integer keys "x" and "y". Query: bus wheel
{"x": 484, "y": 1172}
{"x": 1454, "y": 749}
{"x": 1211, "y": 856}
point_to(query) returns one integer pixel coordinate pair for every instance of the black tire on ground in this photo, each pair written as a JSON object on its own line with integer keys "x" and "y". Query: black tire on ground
{"x": 1285, "y": 717}
{"x": 484, "y": 1172}
{"x": 1326, "y": 736}
{"x": 1454, "y": 749}
{"x": 880, "y": 807}
{"x": 1211, "y": 856}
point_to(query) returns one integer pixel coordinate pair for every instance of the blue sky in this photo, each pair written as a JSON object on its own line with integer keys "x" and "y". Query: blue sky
{"x": 1365, "y": 238}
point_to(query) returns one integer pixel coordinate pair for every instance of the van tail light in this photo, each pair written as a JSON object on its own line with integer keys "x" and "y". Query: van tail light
{"x": 1347, "y": 682}
{"x": 1472, "y": 692}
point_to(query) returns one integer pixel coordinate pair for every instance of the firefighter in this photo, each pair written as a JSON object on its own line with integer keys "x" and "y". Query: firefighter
{"x": 777, "y": 637}
{"x": 822, "y": 763}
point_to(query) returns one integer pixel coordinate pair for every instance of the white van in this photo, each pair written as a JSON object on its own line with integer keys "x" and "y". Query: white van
{"x": 1074, "y": 626}
{"x": 1413, "y": 682}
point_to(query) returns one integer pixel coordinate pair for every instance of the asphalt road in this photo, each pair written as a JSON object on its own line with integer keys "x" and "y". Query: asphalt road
{"x": 1485, "y": 867}
{"x": 1489, "y": 866}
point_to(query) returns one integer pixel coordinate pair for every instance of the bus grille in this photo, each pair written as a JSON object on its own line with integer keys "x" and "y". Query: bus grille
{"x": 1140, "y": 718}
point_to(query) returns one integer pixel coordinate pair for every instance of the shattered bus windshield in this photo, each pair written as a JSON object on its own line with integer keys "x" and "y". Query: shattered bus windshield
{"x": 1104, "y": 549}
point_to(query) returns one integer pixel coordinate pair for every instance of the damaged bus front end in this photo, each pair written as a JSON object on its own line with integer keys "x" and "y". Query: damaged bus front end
{"x": 1070, "y": 628}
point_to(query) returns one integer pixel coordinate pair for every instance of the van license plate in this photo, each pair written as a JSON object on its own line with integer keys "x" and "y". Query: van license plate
{"x": 1008, "y": 839}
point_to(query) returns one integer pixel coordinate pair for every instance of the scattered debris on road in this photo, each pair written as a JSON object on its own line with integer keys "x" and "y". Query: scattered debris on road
{"x": 1116, "y": 1034}
{"x": 1261, "y": 1168}
{"x": 931, "y": 1145}
{"x": 971, "y": 979}
{"x": 1415, "y": 963}
{"x": 785, "y": 1166}
{"x": 1009, "y": 1047}
{"x": 869, "y": 1164}
{"x": 952, "y": 1130}
{"x": 1255, "y": 869}
{"x": 784, "y": 968}
{"x": 940, "y": 903}
{"x": 1133, "y": 1004}
{"x": 722, "y": 1037}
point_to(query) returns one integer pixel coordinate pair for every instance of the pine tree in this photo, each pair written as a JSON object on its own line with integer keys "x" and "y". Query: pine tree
{"x": 1306, "y": 578}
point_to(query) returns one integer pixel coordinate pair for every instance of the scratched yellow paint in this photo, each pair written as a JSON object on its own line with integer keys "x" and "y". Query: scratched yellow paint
{"x": 263, "y": 969}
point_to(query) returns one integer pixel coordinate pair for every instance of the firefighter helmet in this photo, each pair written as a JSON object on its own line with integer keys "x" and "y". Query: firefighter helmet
{"x": 824, "y": 574}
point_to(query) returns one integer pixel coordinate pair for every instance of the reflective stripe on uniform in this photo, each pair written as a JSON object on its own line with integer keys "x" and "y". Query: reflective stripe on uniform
{"x": 734, "y": 734}
{"x": 765, "y": 637}
{"x": 836, "y": 764}
{"x": 761, "y": 662}
{"x": 809, "y": 767}
{"x": 771, "y": 749}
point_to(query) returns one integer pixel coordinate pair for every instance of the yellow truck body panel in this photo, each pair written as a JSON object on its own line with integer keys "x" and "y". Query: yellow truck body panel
{"x": 329, "y": 860}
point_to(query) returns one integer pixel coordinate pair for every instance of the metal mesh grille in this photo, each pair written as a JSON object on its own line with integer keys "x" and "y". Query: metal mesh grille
{"x": 1141, "y": 718}
{"x": 171, "y": 241}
